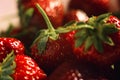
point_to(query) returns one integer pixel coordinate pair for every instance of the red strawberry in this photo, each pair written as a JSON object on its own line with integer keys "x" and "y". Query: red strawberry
{"x": 94, "y": 7}
{"x": 99, "y": 42}
{"x": 52, "y": 46}
{"x": 9, "y": 44}
{"x": 25, "y": 35}
{"x": 56, "y": 52}
{"x": 20, "y": 67}
{"x": 72, "y": 70}
{"x": 76, "y": 15}
{"x": 53, "y": 8}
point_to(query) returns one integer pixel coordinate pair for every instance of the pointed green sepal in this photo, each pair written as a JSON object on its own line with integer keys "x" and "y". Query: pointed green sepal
{"x": 7, "y": 67}
{"x": 98, "y": 32}
{"x": 80, "y": 40}
{"x": 98, "y": 44}
{"x": 88, "y": 43}
{"x": 101, "y": 17}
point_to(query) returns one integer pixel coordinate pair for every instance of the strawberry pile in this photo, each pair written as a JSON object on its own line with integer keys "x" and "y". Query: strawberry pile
{"x": 51, "y": 44}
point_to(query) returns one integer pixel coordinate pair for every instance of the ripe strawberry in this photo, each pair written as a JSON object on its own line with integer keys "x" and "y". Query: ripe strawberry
{"x": 52, "y": 46}
{"x": 25, "y": 35}
{"x": 76, "y": 15}
{"x": 99, "y": 41}
{"x": 53, "y": 8}
{"x": 20, "y": 67}
{"x": 9, "y": 44}
{"x": 55, "y": 53}
{"x": 94, "y": 7}
{"x": 72, "y": 70}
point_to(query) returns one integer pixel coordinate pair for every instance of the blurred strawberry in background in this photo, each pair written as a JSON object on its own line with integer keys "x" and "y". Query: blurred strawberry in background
{"x": 95, "y": 7}
{"x": 75, "y": 15}
{"x": 53, "y": 8}
{"x": 72, "y": 70}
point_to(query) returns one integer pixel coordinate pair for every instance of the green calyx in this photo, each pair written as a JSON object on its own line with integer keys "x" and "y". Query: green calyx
{"x": 94, "y": 32}
{"x": 97, "y": 35}
{"x": 44, "y": 34}
{"x": 7, "y": 67}
{"x": 50, "y": 33}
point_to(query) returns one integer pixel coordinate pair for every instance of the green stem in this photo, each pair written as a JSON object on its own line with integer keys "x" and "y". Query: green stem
{"x": 49, "y": 25}
{"x": 73, "y": 27}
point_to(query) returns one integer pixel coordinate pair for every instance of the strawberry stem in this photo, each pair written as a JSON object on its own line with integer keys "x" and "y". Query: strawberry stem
{"x": 44, "y": 34}
{"x": 49, "y": 25}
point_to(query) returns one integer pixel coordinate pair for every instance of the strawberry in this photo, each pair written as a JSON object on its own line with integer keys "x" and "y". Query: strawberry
{"x": 77, "y": 15}
{"x": 9, "y": 44}
{"x": 52, "y": 46}
{"x": 53, "y": 8}
{"x": 55, "y": 53}
{"x": 25, "y": 35}
{"x": 94, "y": 7}
{"x": 98, "y": 42}
{"x": 20, "y": 67}
{"x": 72, "y": 70}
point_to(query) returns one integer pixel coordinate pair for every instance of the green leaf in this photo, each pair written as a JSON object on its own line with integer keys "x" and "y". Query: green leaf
{"x": 80, "y": 40}
{"x": 106, "y": 29}
{"x": 102, "y": 17}
{"x": 91, "y": 21}
{"x": 41, "y": 40}
{"x": 9, "y": 56}
{"x": 6, "y": 78}
{"x": 42, "y": 43}
{"x": 8, "y": 71}
{"x": 108, "y": 40}
{"x": 98, "y": 44}
{"x": 88, "y": 42}
{"x": 7, "y": 67}
{"x": 40, "y": 34}
{"x": 80, "y": 33}
{"x": 109, "y": 28}
{"x": 9, "y": 61}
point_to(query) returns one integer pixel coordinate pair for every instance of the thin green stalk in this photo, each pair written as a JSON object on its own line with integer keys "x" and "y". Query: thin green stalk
{"x": 49, "y": 25}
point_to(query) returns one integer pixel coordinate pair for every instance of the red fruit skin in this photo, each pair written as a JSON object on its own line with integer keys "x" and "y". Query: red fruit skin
{"x": 25, "y": 35}
{"x": 53, "y": 8}
{"x": 9, "y": 44}
{"x": 55, "y": 53}
{"x": 27, "y": 69}
{"x": 91, "y": 7}
{"x": 73, "y": 70}
{"x": 75, "y": 15}
{"x": 110, "y": 55}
